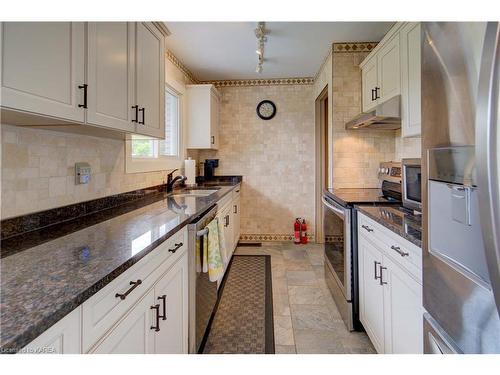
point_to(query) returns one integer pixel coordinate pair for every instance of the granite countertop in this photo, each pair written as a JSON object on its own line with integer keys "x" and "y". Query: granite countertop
{"x": 47, "y": 273}
{"x": 401, "y": 221}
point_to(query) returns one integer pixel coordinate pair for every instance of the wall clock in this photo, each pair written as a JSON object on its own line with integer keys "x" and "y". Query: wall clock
{"x": 266, "y": 110}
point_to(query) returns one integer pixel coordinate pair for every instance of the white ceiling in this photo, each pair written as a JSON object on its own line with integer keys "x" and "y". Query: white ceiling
{"x": 226, "y": 50}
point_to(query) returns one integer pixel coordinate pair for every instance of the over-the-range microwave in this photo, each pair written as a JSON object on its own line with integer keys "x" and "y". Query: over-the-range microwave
{"x": 411, "y": 183}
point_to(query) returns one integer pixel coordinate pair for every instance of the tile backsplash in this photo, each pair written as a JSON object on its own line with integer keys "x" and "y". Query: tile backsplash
{"x": 38, "y": 169}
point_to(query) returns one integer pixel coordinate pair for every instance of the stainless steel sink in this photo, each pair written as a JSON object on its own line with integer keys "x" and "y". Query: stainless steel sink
{"x": 195, "y": 193}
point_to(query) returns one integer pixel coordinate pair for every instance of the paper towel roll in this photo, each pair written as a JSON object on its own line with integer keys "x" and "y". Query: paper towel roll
{"x": 190, "y": 171}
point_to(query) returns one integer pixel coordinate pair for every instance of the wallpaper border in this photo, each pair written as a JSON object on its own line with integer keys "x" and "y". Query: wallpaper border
{"x": 261, "y": 82}
{"x": 353, "y": 47}
{"x": 174, "y": 60}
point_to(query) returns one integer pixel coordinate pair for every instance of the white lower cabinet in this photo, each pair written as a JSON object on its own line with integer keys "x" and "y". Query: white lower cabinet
{"x": 390, "y": 296}
{"x": 158, "y": 323}
{"x": 171, "y": 294}
{"x": 133, "y": 334}
{"x": 64, "y": 337}
{"x": 371, "y": 300}
{"x": 403, "y": 309}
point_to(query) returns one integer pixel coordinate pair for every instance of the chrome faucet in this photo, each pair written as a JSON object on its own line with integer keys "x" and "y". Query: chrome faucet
{"x": 171, "y": 181}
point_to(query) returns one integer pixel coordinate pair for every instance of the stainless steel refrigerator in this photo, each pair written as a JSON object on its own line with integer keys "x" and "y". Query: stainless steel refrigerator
{"x": 461, "y": 200}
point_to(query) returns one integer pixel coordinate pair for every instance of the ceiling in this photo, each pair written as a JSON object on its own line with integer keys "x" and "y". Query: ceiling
{"x": 226, "y": 50}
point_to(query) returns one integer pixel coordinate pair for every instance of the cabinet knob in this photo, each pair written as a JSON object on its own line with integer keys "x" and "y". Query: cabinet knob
{"x": 212, "y": 139}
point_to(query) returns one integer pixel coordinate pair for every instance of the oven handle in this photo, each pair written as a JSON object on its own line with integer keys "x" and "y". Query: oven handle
{"x": 339, "y": 211}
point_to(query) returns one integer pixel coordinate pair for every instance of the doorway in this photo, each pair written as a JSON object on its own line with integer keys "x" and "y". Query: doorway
{"x": 323, "y": 157}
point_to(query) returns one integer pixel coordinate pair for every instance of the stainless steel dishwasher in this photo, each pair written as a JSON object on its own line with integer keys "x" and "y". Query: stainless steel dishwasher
{"x": 202, "y": 292}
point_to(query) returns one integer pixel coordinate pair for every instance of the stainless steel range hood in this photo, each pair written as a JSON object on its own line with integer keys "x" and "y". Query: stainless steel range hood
{"x": 385, "y": 116}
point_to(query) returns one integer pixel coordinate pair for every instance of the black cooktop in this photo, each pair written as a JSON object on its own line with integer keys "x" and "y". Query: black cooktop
{"x": 358, "y": 195}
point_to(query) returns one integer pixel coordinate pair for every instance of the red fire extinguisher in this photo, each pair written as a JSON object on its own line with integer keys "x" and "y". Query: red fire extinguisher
{"x": 303, "y": 232}
{"x": 296, "y": 228}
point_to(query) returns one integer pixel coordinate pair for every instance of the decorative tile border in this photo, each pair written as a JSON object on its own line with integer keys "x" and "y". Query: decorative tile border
{"x": 271, "y": 237}
{"x": 354, "y": 47}
{"x": 174, "y": 60}
{"x": 262, "y": 82}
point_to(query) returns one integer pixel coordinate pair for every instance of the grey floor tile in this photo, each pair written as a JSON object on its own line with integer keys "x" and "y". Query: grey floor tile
{"x": 317, "y": 342}
{"x": 295, "y": 254}
{"x": 305, "y": 295}
{"x": 313, "y": 317}
{"x": 283, "y": 332}
{"x": 285, "y": 349}
{"x": 281, "y": 306}
{"x": 298, "y": 265}
{"x": 301, "y": 277}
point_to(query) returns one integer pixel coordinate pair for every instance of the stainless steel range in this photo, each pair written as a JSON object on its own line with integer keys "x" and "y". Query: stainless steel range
{"x": 340, "y": 242}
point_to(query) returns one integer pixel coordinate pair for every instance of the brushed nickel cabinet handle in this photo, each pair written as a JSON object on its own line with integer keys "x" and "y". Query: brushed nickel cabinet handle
{"x": 375, "y": 264}
{"x": 398, "y": 250}
{"x": 134, "y": 284}
{"x": 176, "y": 247}
{"x": 164, "y": 299}
{"x": 157, "y": 308}
{"x": 382, "y": 282}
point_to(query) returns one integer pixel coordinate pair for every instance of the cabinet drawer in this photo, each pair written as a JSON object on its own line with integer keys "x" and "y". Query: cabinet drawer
{"x": 105, "y": 308}
{"x": 403, "y": 252}
{"x": 237, "y": 191}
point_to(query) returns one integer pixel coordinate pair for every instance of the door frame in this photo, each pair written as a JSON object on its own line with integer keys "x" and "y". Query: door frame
{"x": 320, "y": 143}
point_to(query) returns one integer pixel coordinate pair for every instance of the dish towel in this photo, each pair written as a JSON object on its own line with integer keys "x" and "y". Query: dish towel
{"x": 222, "y": 243}
{"x": 215, "y": 266}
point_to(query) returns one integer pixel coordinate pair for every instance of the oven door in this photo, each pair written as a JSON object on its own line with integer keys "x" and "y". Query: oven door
{"x": 337, "y": 239}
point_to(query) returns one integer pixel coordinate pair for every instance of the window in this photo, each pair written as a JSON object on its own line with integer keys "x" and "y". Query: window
{"x": 149, "y": 154}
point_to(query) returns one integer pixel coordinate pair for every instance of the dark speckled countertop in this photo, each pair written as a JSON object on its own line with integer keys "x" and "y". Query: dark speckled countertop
{"x": 47, "y": 273}
{"x": 402, "y": 222}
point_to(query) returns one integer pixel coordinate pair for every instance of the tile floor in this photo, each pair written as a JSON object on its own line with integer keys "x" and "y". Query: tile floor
{"x": 306, "y": 319}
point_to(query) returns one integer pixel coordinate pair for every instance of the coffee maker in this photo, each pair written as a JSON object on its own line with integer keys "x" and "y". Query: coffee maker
{"x": 209, "y": 168}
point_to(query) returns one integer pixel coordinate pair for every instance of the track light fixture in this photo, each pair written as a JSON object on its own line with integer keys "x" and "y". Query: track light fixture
{"x": 260, "y": 33}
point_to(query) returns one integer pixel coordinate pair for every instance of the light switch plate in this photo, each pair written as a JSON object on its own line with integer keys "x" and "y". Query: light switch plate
{"x": 82, "y": 173}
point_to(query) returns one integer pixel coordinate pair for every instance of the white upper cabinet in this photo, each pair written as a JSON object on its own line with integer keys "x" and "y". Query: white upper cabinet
{"x": 110, "y": 74}
{"x": 150, "y": 78}
{"x": 117, "y": 83}
{"x": 369, "y": 80}
{"x": 393, "y": 68}
{"x": 410, "y": 79}
{"x": 203, "y": 117}
{"x": 43, "y": 68}
{"x": 389, "y": 76}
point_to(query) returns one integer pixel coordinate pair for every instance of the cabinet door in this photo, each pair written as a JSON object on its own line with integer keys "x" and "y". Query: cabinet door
{"x": 369, "y": 82}
{"x": 134, "y": 333}
{"x": 236, "y": 220}
{"x": 371, "y": 293}
{"x": 389, "y": 74}
{"x": 403, "y": 311}
{"x": 410, "y": 80}
{"x": 150, "y": 79}
{"x": 171, "y": 292}
{"x": 42, "y": 65}
{"x": 64, "y": 337}
{"x": 110, "y": 74}
{"x": 214, "y": 121}
{"x": 228, "y": 228}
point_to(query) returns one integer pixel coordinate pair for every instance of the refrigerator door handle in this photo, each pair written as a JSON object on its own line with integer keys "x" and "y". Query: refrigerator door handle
{"x": 487, "y": 153}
